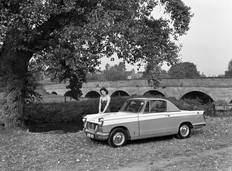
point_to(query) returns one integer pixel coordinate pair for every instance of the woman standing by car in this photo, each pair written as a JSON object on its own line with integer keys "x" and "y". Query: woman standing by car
{"x": 104, "y": 101}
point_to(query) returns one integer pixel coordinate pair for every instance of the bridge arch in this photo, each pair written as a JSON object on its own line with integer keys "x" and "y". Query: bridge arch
{"x": 54, "y": 93}
{"x": 154, "y": 93}
{"x": 92, "y": 94}
{"x": 205, "y": 98}
{"x": 119, "y": 93}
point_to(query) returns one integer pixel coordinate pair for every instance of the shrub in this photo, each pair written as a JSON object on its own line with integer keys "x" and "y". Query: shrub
{"x": 74, "y": 111}
{"x": 66, "y": 111}
{"x": 194, "y": 104}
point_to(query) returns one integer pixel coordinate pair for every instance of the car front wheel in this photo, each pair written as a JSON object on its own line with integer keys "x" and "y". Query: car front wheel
{"x": 184, "y": 131}
{"x": 118, "y": 137}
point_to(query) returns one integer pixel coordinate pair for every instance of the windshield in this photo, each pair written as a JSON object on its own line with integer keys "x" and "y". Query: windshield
{"x": 133, "y": 106}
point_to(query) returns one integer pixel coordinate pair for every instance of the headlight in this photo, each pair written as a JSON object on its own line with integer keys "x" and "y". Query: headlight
{"x": 84, "y": 119}
{"x": 101, "y": 121}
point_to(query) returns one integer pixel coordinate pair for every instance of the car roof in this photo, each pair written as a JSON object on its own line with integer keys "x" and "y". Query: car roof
{"x": 170, "y": 106}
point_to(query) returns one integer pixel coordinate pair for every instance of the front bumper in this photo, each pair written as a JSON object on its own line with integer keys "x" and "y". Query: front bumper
{"x": 96, "y": 135}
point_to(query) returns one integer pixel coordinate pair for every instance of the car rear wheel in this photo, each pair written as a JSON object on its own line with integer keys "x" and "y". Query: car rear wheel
{"x": 118, "y": 137}
{"x": 184, "y": 131}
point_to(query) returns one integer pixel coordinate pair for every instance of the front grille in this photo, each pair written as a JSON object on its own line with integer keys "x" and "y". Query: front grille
{"x": 91, "y": 126}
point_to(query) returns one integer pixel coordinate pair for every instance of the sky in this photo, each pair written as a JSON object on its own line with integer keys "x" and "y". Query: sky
{"x": 208, "y": 43}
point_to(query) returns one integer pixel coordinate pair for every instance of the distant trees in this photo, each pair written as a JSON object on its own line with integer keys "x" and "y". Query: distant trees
{"x": 178, "y": 70}
{"x": 152, "y": 72}
{"x": 228, "y": 73}
{"x": 155, "y": 71}
{"x": 117, "y": 72}
{"x": 184, "y": 70}
{"x": 164, "y": 74}
{"x": 111, "y": 73}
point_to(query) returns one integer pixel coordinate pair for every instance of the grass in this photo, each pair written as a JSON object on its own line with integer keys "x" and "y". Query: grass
{"x": 209, "y": 148}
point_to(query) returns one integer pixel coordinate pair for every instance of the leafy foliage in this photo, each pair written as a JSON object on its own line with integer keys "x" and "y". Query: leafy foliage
{"x": 31, "y": 96}
{"x": 71, "y": 36}
{"x": 183, "y": 70}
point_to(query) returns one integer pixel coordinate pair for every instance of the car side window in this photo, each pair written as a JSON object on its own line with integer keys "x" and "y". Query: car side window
{"x": 133, "y": 106}
{"x": 156, "y": 106}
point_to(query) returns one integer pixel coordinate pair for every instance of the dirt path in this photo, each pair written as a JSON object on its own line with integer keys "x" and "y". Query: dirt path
{"x": 220, "y": 159}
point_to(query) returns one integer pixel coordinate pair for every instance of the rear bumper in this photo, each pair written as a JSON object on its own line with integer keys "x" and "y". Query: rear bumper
{"x": 97, "y": 135}
{"x": 199, "y": 125}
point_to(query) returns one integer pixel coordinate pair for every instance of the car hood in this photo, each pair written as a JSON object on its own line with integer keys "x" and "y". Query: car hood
{"x": 110, "y": 116}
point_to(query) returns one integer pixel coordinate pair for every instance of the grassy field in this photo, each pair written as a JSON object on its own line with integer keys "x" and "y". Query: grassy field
{"x": 209, "y": 148}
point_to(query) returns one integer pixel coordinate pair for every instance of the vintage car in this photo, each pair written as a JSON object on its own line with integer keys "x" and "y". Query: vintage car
{"x": 142, "y": 118}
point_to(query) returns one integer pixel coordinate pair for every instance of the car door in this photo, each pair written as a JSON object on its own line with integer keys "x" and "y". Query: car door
{"x": 155, "y": 119}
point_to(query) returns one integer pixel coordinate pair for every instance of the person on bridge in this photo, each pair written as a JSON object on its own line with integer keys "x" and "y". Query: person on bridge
{"x": 104, "y": 101}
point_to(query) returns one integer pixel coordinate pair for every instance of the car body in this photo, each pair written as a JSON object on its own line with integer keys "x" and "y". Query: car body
{"x": 142, "y": 118}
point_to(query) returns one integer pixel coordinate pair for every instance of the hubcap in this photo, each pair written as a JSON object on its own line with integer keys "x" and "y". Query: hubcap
{"x": 184, "y": 130}
{"x": 118, "y": 138}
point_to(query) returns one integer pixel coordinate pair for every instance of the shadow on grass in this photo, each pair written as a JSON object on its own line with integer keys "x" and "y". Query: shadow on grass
{"x": 134, "y": 142}
{"x": 70, "y": 127}
{"x": 195, "y": 132}
{"x": 149, "y": 140}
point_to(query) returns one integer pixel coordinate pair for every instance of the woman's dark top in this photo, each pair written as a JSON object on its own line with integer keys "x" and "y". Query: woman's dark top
{"x": 103, "y": 104}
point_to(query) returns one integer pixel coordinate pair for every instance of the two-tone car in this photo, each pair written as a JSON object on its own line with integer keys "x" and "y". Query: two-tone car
{"x": 141, "y": 118}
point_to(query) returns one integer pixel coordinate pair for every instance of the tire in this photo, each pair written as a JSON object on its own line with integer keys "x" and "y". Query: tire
{"x": 118, "y": 137}
{"x": 184, "y": 131}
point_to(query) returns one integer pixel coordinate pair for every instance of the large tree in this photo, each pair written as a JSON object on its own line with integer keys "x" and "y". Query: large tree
{"x": 68, "y": 37}
{"x": 183, "y": 70}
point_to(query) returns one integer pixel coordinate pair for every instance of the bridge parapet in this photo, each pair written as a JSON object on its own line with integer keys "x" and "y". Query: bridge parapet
{"x": 116, "y": 84}
{"x": 199, "y": 82}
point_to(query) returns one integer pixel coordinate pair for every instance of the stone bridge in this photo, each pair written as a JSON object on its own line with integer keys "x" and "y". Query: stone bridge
{"x": 208, "y": 89}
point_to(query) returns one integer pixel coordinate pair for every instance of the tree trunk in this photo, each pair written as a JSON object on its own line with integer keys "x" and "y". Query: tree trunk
{"x": 13, "y": 70}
